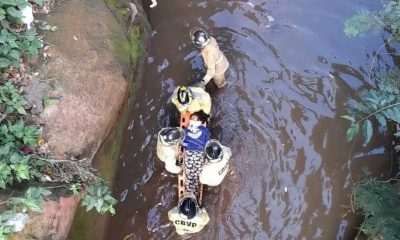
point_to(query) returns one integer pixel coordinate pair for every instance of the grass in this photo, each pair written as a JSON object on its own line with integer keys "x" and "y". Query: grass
{"x": 131, "y": 48}
{"x": 123, "y": 12}
{"x": 111, "y": 2}
{"x": 135, "y": 48}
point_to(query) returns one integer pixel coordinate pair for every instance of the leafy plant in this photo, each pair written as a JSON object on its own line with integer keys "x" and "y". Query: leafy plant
{"x": 387, "y": 18}
{"x": 20, "y": 166}
{"x": 98, "y": 196}
{"x": 75, "y": 188}
{"x": 5, "y": 227}
{"x": 30, "y": 45}
{"x": 30, "y": 135}
{"x": 19, "y": 134}
{"x": 381, "y": 104}
{"x": 15, "y": 166}
{"x": 6, "y": 176}
{"x": 12, "y": 9}
{"x": 14, "y": 220}
{"x": 14, "y": 40}
{"x": 380, "y": 203}
{"x": 38, "y": 2}
{"x": 17, "y": 44}
{"x": 32, "y": 200}
{"x": 12, "y": 100}
{"x": 361, "y": 23}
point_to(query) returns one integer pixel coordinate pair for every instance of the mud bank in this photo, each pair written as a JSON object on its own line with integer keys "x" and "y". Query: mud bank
{"x": 94, "y": 67}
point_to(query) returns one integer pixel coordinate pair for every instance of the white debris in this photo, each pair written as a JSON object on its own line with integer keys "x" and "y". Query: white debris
{"x": 153, "y": 3}
{"x": 18, "y": 221}
{"x": 163, "y": 65}
{"x": 45, "y": 178}
{"x": 285, "y": 189}
{"x": 27, "y": 15}
{"x": 250, "y": 3}
{"x": 134, "y": 12}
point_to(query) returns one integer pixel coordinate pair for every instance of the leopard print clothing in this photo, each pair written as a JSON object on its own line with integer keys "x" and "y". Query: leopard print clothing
{"x": 193, "y": 162}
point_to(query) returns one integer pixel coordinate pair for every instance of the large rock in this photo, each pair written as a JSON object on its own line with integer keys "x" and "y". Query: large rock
{"x": 88, "y": 85}
{"x": 55, "y": 221}
{"x": 87, "y": 76}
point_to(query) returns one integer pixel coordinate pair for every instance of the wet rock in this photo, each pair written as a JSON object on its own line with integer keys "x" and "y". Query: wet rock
{"x": 89, "y": 77}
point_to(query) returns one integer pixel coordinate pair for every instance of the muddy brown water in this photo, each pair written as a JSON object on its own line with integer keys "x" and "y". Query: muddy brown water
{"x": 292, "y": 72}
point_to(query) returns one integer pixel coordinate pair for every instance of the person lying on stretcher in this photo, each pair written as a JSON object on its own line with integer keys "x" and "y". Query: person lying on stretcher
{"x": 215, "y": 165}
{"x": 169, "y": 138}
{"x": 195, "y": 137}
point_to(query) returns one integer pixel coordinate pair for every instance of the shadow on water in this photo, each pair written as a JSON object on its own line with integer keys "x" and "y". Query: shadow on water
{"x": 293, "y": 70}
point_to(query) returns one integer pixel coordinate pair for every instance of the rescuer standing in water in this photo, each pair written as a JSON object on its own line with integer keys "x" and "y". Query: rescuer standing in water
{"x": 214, "y": 60}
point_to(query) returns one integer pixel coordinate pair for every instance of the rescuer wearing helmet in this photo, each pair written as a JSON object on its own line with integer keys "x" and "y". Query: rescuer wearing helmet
{"x": 188, "y": 217}
{"x": 168, "y": 148}
{"x": 214, "y": 60}
{"x": 191, "y": 99}
{"x": 195, "y": 137}
{"x": 217, "y": 163}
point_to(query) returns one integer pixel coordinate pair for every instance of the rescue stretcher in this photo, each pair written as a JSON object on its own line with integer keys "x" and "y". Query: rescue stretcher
{"x": 184, "y": 123}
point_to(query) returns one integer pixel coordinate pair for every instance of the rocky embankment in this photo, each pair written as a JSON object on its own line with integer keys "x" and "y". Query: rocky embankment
{"x": 86, "y": 81}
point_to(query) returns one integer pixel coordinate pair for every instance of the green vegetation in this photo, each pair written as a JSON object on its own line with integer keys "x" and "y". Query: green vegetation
{"x": 381, "y": 106}
{"x": 15, "y": 43}
{"x": 32, "y": 200}
{"x": 134, "y": 44}
{"x": 19, "y": 161}
{"x": 11, "y": 99}
{"x": 380, "y": 203}
{"x": 112, "y": 2}
{"x": 13, "y": 220}
{"x": 17, "y": 165}
{"x": 123, "y": 12}
{"x": 98, "y": 196}
{"x": 387, "y": 19}
{"x": 131, "y": 48}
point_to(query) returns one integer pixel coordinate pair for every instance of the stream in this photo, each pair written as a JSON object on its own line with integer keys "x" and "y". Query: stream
{"x": 292, "y": 73}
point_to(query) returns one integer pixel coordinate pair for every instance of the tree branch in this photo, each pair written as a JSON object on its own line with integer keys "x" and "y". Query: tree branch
{"x": 378, "y": 111}
{"x": 376, "y": 56}
{"x": 71, "y": 170}
{"x": 8, "y": 199}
